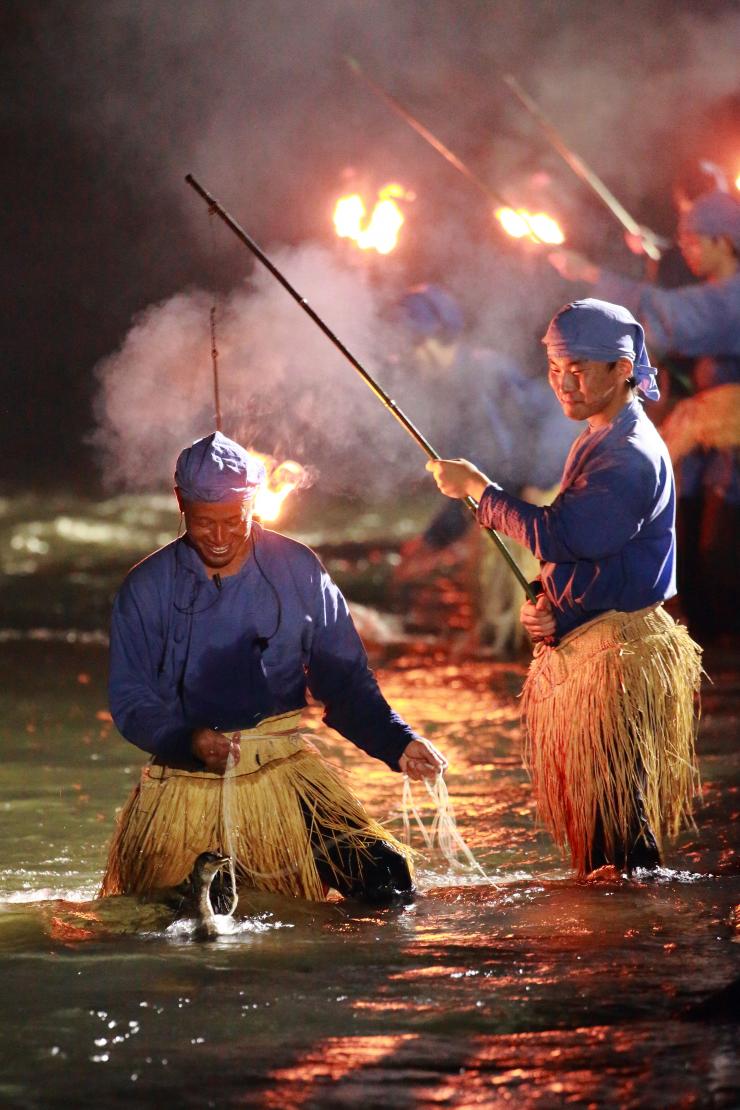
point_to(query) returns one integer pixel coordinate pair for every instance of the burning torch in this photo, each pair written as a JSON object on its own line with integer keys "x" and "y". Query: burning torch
{"x": 652, "y": 244}
{"x": 538, "y": 227}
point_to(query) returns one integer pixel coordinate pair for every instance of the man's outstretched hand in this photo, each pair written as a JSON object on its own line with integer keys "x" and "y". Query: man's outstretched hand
{"x": 214, "y": 748}
{"x": 421, "y": 760}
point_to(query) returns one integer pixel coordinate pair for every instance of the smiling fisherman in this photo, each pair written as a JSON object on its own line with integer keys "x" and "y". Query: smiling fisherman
{"x": 215, "y": 639}
{"x": 609, "y": 704}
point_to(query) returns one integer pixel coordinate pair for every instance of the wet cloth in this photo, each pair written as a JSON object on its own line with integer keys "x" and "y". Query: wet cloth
{"x": 610, "y": 722}
{"x": 607, "y": 541}
{"x": 186, "y": 654}
{"x": 282, "y": 813}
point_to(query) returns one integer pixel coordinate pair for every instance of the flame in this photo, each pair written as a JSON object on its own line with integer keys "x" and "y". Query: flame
{"x": 380, "y": 231}
{"x": 282, "y": 479}
{"x": 737, "y": 181}
{"x": 536, "y": 226}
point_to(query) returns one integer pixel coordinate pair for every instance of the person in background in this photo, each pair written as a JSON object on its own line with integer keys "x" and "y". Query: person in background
{"x": 510, "y": 424}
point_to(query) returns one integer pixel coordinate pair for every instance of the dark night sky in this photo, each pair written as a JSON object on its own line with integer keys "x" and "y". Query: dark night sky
{"x": 107, "y": 104}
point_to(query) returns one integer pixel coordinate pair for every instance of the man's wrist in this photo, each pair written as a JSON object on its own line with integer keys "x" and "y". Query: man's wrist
{"x": 477, "y": 486}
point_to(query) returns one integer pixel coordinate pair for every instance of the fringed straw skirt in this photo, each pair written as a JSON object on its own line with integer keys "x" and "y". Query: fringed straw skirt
{"x": 280, "y": 814}
{"x": 610, "y": 716}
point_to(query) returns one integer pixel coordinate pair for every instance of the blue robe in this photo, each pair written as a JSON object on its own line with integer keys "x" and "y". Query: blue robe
{"x": 186, "y": 654}
{"x": 608, "y": 539}
{"x": 696, "y": 321}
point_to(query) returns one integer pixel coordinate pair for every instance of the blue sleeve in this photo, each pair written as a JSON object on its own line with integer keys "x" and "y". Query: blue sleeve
{"x": 591, "y": 519}
{"x": 150, "y": 718}
{"x": 339, "y": 676}
{"x": 694, "y": 320}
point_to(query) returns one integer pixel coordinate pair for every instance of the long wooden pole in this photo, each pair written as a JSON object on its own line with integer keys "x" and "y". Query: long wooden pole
{"x": 383, "y": 397}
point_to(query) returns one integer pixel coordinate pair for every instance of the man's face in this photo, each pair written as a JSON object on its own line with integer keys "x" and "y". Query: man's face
{"x": 702, "y": 253}
{"x": 586, "y": 388}
{"x": 218, "y": 531}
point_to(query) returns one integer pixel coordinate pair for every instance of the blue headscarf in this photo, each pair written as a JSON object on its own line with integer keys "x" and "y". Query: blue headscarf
{"x": 430, "y": 310}
{"x": 604, "y": 332}
{"x": 217, "y": 469}
{"x": 714, "y": 214}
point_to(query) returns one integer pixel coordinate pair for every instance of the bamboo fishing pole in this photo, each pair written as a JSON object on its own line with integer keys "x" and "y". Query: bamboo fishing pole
{"x": 651, "y": 243}
{"x": 215, "y": 208}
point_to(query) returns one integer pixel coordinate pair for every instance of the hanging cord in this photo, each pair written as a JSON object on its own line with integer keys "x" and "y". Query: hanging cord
{"x": 227, "y": 782}
{"x": 214, "y": 347}
{"x": 227, "y": 794}
{"x": 214, "y": 359}
{"x": 443, "y": 828}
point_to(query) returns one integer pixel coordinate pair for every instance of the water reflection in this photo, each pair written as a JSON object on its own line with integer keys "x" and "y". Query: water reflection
{"x": 524, "y": 987}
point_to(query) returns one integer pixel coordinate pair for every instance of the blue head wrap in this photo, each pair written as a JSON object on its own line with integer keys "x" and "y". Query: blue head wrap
{"x": 714, "y": 214}
{"x": 217, "y": 469}
{"x": 430, "y": 311}
{"x": 604, "y": 332}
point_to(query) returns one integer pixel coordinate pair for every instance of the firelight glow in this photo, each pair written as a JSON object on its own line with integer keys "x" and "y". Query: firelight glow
{"x": 282, "y": 479}
{"x": 379, "y": 231}
{"x": 536, "y": 226}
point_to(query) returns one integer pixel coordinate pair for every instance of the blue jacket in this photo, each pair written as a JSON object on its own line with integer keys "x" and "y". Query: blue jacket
{"x": 608, "y": 539}
{"x": 695, "y": 321}
{"x": 186, "y": 654}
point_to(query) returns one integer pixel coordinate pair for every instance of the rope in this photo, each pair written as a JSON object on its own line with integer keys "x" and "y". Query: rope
{"x": 227, "y": 791}
{"x": 443, "y": 828}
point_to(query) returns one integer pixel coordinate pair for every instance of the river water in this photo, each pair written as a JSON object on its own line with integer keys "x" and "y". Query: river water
{"x": 521, "y": 987}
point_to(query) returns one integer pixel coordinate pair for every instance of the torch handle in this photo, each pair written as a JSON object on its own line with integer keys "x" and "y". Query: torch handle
{"x": 379, "y": 392}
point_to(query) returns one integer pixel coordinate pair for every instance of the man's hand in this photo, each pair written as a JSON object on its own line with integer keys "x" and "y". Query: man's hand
{"x": 574, "y": 266}
{"x": 458, "y": 477}
{"x": 214, "y": 748}
{"x": 538, "y": 619}
{"x": 421, "y": 760}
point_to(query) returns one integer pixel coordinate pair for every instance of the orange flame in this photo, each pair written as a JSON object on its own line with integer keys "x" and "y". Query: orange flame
{"x": 737, "y": 181}
{"x": 282, "y": 479}
{"x": 536, "y": 226}
{"x": 380, "y": 231}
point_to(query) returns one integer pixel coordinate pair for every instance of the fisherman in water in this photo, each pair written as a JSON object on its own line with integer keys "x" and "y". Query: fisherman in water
{"x": 215, "y": 639}
{"x": 609, "y": 705}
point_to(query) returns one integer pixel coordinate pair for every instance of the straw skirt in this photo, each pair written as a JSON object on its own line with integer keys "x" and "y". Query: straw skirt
{"x": 283, "y": 814}
{"x": 610, "y": 717}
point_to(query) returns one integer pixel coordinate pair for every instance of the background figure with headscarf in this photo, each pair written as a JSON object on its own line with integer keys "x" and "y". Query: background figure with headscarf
{"x": 703, "y": 431}
{"x": 475, "y": 398}
{"x": 215, "y": 640}
{"x": 608, "y": 704}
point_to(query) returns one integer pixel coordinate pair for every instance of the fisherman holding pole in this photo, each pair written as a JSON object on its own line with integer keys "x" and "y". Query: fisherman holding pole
{"x": 699, "y": 321}
{"x": 609, "y": 702}
{"x": 215, "y": 639}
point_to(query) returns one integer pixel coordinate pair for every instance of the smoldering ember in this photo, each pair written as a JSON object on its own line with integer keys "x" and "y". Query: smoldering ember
{"x": 401, "y": 769}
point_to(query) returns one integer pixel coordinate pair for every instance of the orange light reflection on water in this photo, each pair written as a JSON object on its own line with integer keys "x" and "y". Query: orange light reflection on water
{"x": 329, "y": 1062}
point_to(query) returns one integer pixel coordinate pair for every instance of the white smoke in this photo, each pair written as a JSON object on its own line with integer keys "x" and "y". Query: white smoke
{"x": 284, "y": 388}
{"x": 257, "y": 101}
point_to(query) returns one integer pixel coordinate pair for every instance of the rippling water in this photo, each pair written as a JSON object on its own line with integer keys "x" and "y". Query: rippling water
{"x": 523, "y": 988}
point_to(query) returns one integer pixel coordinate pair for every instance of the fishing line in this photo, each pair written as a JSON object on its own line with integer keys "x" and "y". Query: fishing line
{"x": 443, "y": 828}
